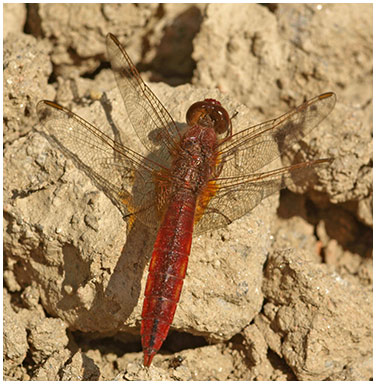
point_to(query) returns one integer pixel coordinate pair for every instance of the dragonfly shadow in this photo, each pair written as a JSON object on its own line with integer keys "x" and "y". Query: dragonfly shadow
{"x": 115, "y": 303}
{"x": 155, "y": 136}
{"x": 124, "y": 287}
{"x": 107, "y": 108}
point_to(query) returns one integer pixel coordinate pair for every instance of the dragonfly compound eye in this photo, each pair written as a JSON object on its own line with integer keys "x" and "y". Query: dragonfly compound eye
{"x": 209, "y": 113}
{"x": 196, "y": 113}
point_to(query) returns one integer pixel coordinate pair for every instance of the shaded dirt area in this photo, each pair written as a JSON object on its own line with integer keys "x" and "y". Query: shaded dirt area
{"x": 285, "y": 292}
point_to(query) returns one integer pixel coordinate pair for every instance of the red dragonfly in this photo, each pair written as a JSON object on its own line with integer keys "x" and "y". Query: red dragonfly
{"x": 195, "y": 179}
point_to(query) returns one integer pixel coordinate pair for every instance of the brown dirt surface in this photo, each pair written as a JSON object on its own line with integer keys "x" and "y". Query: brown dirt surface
{"x": 285, "y": 292}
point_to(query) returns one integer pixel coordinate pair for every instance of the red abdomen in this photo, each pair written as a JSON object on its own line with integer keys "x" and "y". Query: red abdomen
{"x": 166, "y": 273}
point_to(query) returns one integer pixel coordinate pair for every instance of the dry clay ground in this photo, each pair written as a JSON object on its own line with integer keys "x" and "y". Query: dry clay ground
{"x": 282, "y": 293}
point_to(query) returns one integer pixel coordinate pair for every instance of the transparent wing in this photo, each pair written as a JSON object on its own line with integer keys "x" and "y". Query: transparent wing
{"x": 236, "y": 196}
{"x": 151, "y": 121}
{"x": 253, "y": 148}
{"x": 124, "y": 175}
{"x": 236, "y": 187}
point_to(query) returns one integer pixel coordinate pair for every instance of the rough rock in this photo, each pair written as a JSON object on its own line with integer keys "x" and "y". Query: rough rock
{"x": 68, "y": 260}
{"x": 323, "y": 320}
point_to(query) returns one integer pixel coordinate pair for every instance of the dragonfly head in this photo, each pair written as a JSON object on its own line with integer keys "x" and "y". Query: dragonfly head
{"x": 210, "y": 113}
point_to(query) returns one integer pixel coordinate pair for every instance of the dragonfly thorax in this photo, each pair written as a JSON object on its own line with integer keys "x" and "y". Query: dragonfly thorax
{"x": 195, "y": 159}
